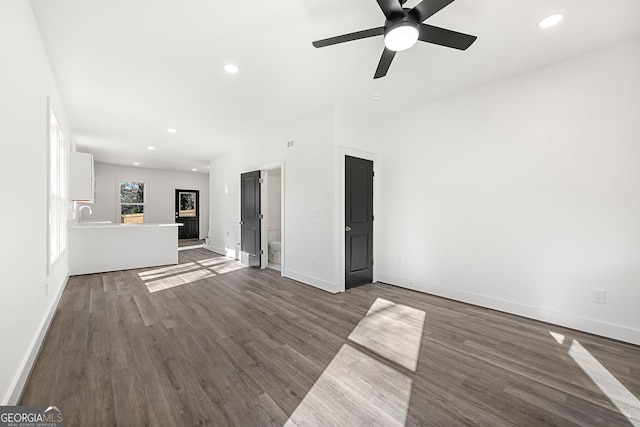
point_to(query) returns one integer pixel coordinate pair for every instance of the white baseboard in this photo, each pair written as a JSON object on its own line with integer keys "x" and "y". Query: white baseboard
{"x": 585, "y": 324}
{"x": 300, "y": 277}
{"x": 17, "y": 387}
{"x": 316, "y": 282}
{"x": 219, "y": 251}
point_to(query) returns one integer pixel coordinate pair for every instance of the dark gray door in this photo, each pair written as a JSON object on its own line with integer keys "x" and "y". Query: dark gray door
{"x": 250, "y": 217}
{"x": 358, "y": 221}
{"x": 188, "y": 213}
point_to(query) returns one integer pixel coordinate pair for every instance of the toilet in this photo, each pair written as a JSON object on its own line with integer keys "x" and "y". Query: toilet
{"x": 274, "y": 252}
{"x": 275, "y": 246}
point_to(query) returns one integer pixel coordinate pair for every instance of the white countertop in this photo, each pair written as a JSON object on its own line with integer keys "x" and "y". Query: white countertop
{"x": 103, "y": 224}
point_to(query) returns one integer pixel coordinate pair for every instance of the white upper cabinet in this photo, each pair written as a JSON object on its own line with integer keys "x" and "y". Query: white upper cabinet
{"x": 81, "y": 178}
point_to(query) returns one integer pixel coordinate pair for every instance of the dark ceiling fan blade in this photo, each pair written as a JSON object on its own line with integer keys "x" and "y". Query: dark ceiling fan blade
{"x": 385, "y": 63}
{"x": 350, "y": 37}
{"x": 391, "y": 8}
{"x": 427, "y": 8}
{"x": 444, "y": 37}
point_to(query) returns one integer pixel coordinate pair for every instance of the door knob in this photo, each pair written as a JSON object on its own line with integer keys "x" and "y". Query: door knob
{"x": 347, "y": 228}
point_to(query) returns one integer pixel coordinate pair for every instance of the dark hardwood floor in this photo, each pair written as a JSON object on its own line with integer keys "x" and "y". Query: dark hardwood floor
{"x": 209, "y": 342}
{"x": 183, "y": 243}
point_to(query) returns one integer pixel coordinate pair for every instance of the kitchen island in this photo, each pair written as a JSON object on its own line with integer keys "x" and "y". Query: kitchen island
{"x": 97, "y": 247}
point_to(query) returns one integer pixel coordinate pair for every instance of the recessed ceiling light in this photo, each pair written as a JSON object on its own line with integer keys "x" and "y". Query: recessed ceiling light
{"x": 136, "y": 164}
{"x": 171, "y": 130}
{"x": 230, "y": 68}
{"x": 151, "y": 148}
{"x": 376, "y": 97}
{"x": 550, "y": 20}
{"x": 194, "y": 169}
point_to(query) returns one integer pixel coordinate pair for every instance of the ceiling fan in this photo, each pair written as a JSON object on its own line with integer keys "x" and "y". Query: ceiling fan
{"x": 403, "y": 27}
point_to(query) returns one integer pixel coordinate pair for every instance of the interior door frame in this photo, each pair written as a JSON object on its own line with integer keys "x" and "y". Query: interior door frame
{"x": 264, "y": 229}
{"x": 340, "y": 216}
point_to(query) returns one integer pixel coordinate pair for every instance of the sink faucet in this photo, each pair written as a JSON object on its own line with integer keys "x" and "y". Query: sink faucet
{"x": 80, "y": 211}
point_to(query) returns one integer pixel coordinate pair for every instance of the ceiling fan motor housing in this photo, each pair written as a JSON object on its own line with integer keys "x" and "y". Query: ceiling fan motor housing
{"x": 401, "y": 21}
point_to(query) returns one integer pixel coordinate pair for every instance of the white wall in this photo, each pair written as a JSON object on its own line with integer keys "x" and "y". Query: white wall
{"x": 160, "y": 186}
{"x": 26, "y": 307}
{"x": 358, "y": 136}
{"x": 524, "y": 195}
{"x": 521, "y": 196}
{"x": 307, "y": 176}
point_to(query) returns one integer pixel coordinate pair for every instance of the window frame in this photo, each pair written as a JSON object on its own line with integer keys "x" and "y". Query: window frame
{"x": 120, "y": 204}
{"x": 57, "y": 194}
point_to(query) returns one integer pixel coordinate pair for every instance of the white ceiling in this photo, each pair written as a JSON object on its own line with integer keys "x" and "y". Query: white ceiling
{"x": 129, "y": 69}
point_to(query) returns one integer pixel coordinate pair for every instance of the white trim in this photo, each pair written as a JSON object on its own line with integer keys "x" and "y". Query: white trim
{"x": 264, "y": 204}
{"x": 264, "y": 222}
{"x": 585, "y": 324}
{"x": 20, "y": 380}
{"x": 219, "y": 251}
{"x": 316, "y": 282}
{"x": 340, "y": 236}
{"x": 272, "y": 165}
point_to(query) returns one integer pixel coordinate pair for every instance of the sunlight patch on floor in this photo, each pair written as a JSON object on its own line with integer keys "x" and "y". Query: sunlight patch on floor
{"x": 214, "y": 261}
{"x": 186, "y": 248}
{"x": 167, "y": 271}
{"x": 620, "y": 396}
{"x": 228, "y": 268}
{"x": 558, "y": 337}
{"x": 394, "y": 331}
{"x": 178, "y": 280}
{"x": 169, "y": 277}
{"x": 357, "y": 388}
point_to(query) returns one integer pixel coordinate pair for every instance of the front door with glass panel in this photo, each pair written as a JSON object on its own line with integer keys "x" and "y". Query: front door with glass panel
{"x": 187, "y": 213}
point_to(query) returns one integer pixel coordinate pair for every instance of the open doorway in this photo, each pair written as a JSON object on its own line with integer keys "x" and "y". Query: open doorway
{"x": 272, "y": 225}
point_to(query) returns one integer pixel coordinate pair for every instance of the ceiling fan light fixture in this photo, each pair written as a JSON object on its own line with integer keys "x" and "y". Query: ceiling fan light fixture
{"x": 401, "y": 37}
{"x": 403, "y": 27}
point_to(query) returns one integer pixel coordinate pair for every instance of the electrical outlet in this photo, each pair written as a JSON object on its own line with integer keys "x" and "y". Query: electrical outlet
{"x": 600, "y": 296}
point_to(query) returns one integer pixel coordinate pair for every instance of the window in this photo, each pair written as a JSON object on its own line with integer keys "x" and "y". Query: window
{"x": 57, "y": 190}
{"x": 131, "y": 202}
{"x": 187, "y": 204}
